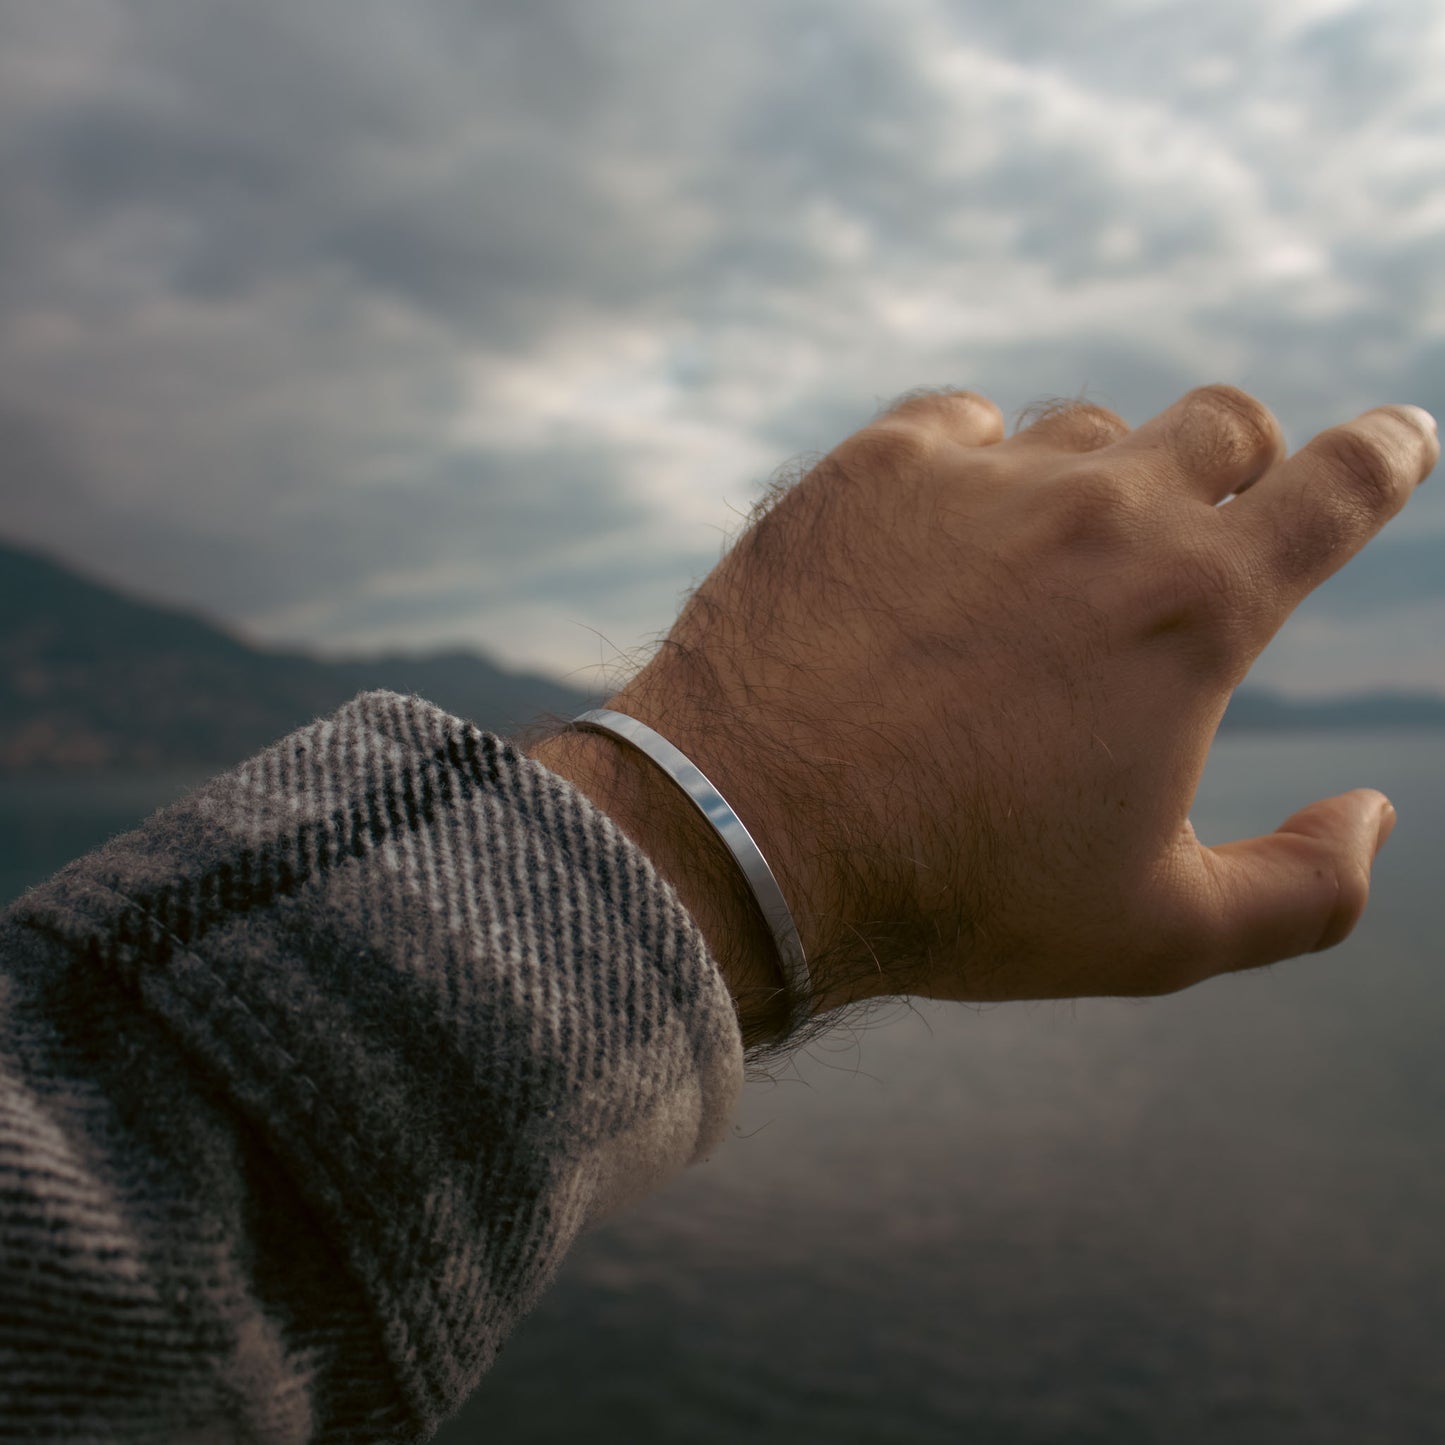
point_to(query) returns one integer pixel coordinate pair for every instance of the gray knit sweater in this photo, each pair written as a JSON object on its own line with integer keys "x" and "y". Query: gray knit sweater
{"x": 308, "y": 1084}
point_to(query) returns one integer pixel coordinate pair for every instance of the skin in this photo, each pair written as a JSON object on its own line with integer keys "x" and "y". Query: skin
{"x": 961, "y": 688}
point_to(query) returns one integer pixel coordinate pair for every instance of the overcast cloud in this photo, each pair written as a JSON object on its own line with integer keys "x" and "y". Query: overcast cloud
{"x": 361, "y": 324}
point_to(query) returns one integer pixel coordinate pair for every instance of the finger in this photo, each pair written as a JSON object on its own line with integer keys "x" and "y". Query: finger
{"x": 1068, "y": 426}
{"x": 964, "y": 417}
{"x": 1297, "y": 890}
{"x": 1313, "y": 512}
{"x": 1214, "y": 442}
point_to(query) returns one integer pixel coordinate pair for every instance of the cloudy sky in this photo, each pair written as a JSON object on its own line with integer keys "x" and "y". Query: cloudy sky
{"x": 362, "y": 324}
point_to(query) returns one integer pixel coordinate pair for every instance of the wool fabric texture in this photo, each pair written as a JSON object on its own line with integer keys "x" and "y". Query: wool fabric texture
{"x": 308, "y": 1084}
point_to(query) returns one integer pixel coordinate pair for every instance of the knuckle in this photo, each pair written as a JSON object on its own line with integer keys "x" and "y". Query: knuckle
{"x": 939, "y": 407}
{"x": 1229, "y": 424}
{"x": 1095, "y": 423}
{"x": 1235, "y": 408}
{"x": 1094, "y": 511}
{"x": 1081, "y": 424}
{"x": 1366, "y": 466}
{"x": 892, "y": 449}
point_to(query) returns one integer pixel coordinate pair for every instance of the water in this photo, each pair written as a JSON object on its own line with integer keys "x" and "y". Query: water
{"x": 1214, "y": 1217}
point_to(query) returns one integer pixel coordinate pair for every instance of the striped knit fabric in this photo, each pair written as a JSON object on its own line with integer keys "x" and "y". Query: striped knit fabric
{"x": 308, "y": 1084}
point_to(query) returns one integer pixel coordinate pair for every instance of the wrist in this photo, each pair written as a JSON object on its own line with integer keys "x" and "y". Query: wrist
{"x": 658, "y": 816}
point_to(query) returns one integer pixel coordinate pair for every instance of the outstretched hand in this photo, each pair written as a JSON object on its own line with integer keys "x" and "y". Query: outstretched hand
{"x": 961, "y": 690}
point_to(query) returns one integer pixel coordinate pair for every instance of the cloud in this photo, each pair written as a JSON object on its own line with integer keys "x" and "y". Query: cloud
{"x": 364, "y": 325}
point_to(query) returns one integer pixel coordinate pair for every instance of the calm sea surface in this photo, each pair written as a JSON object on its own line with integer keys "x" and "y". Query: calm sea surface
{"x": 1217, "y": 1217}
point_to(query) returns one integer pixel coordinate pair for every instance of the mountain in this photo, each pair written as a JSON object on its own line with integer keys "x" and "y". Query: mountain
{"x": 1262, "y": 711}
{"x": 92, "y": 678}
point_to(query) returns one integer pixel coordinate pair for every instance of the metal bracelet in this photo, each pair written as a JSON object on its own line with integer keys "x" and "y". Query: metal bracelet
{"x": 746, "y": 853}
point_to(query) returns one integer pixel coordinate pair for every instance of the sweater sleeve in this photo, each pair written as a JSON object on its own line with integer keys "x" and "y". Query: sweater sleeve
{"x": 308, "y": 1084}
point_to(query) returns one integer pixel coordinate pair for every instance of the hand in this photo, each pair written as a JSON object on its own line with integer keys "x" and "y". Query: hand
{"x": 961, "y": 690}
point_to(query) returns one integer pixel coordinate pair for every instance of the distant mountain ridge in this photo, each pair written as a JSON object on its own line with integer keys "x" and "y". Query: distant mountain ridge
{"x": 93, "y": 679}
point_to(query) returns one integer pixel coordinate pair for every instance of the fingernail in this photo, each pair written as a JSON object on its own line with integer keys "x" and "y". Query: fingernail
{"x": 1422, "y": 418}
{"x": 1388, "y": 816}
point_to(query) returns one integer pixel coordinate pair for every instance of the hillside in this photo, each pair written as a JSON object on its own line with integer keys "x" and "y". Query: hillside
{"x": 1257, "y": 710}
{"x": 91, "y": 678}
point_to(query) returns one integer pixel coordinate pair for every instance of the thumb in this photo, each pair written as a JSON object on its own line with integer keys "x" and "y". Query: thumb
{"x": 1297, "y": 890}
